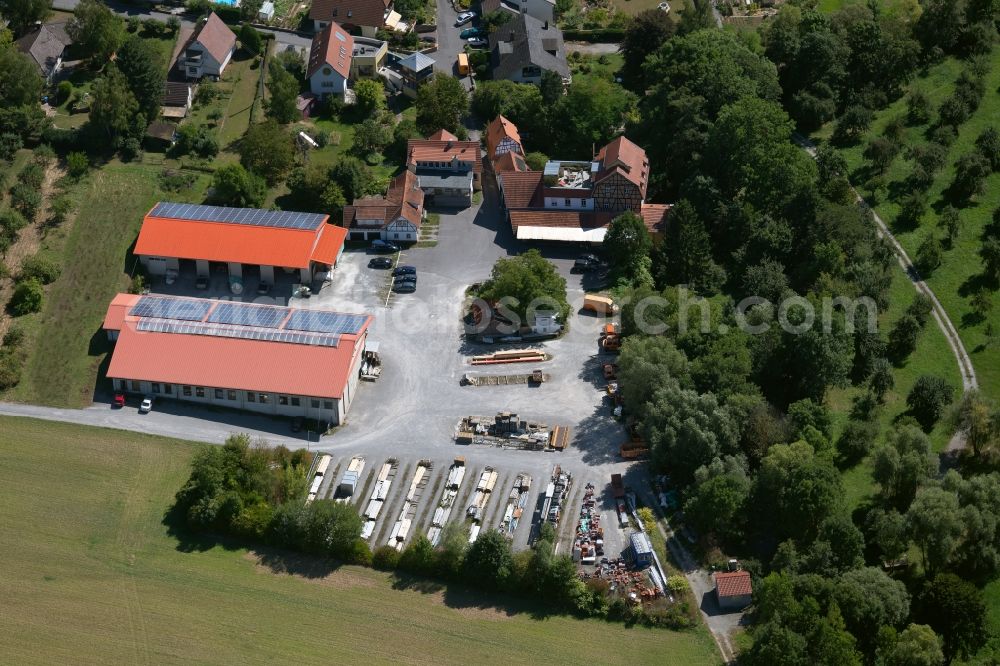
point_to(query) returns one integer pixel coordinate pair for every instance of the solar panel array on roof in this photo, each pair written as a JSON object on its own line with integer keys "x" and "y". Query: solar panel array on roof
{"x": 325, "y": 322}
{"x": 240, "y": 332}
{"x": 163, "y": 307}
{"x": 248, "y": 314}
{"x": 255, "y": 217}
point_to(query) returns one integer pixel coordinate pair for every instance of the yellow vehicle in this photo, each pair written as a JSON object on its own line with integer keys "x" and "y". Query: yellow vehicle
{"x": 463, "y": 64}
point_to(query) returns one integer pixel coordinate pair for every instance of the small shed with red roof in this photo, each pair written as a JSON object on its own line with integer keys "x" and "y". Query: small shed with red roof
{"x": 238, "y": 237}
{"x": 733, "y": 589}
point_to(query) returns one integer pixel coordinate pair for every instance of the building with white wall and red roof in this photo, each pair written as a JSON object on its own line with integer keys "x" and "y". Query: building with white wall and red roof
{"x": 261, "y": 358}
{"x": 329, "y": 65}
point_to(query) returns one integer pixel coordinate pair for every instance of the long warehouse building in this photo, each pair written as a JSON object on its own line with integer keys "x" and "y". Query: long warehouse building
{"x": 262, "y": 358}
{"x": 237, "y": 238}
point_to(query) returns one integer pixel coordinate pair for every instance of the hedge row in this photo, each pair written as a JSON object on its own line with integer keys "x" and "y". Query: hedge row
{"x": 598, "y": 36}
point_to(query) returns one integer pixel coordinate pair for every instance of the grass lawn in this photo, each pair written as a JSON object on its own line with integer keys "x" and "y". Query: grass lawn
{"x": 92, "y": 575}
{"x": 633, "y": 7}
{"x": 229, "y": 113}
{"x": 957, "y": 279}
{"x": 932, "y": 356}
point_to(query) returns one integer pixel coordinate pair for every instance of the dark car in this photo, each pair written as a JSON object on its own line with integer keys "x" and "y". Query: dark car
{"x": 384, "y": 246}
{"x": 201, "y": 282}
{"x": 404, "y": 287}
{"x": 297, "y": 424}
{"x": 380, "y": 262}
{"x": 404, "y": 270}
{"x": 406, "y": 278}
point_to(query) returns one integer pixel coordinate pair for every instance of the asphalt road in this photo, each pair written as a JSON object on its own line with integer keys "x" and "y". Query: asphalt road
{"x": 283, "y": 39}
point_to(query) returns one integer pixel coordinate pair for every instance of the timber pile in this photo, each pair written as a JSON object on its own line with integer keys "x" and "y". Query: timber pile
{"x": 511, "y": 356}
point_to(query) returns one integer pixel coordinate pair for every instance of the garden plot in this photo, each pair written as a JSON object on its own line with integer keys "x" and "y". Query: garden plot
{"x": 401, "y": 529}
{"x": 379, "y": 494}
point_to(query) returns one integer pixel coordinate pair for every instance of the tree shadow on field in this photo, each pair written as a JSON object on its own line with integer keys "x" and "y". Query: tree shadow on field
{"x": 296, "y": 564}
{"x": 459, "y": 597}
{"x": 190, "y": 541}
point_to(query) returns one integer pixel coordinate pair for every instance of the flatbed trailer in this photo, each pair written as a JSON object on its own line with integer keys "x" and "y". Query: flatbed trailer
{"x": 505, "y": 380}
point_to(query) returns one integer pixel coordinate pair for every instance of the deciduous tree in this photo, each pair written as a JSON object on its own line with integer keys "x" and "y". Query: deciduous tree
{"x": 267, "y": 150}
{"x": 441, "y": 104}
{"x": 97, "y": 30}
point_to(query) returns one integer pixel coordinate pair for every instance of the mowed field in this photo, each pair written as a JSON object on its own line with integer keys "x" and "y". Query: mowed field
{"x": 92, "y": 575}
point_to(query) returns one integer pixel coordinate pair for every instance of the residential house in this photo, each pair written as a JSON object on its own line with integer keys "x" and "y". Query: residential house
{"x": 209, "y": 50}
{"x": 416, "y": 70}
{"x": 177, "y": 99}
{"x": 502, "y": 137}
{"x": 572, "y": 200}
{"x": 46, "y": 46}
{"x": 447, "y": 170}
{"x": 395, "y": 217}
{"x": 368, "y": 57}
{"x": 366, "y": 16}
{"x": 543, "y": 10}
{"x": 524, "y": 47}
{"x": 330, "y": 61}
{"x": 733, "y": 589}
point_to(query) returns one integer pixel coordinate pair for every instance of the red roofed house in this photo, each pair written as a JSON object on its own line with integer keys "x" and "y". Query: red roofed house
{"x": 209, "y": 50}
{"x": 365, "y": 15}
{"x": 502, "y": 137}
{"x": 330, "y": 61}
{"x": 394, "y": 217}
{"x": 572, "y": 201}
{"x": 733, "y": 589}
{"x": 262, "y": 358}
{"x": 447, "y": 170}
{"x": 237, "y": 237}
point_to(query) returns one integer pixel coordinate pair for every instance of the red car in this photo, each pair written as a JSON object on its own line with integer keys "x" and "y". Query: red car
{"x": 119, "y": 400}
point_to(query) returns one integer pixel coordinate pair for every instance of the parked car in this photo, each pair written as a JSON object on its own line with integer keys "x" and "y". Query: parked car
{"x": 464, "y": 18}
{"x": 380, "y": 262}
{"x": 119, "y": 400}
{"x": 201, "y": 282}
{"x": 478, "y": 43}
{"x": 404, "y": 287}
{"x": 263, "y": 288}
{"x": 429, "y": 39}
{"x": 297, "y": 424}
{"x": 384, "y": 246}
{"x": 471, "y": 32}
{"x": 586, "y": 262}
{"x": 404, "y": 270}
{"x": 147, "y": 405}
{"x": 411, "y": 277}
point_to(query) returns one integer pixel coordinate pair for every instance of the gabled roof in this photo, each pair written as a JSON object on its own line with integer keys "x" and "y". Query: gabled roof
{"x": 624, "y": 157}
{"x": 333, "y": 47}
{"x": 524, "y": 40}
{"x": 733, "y": 583}
{"x": 560, "y": 218}
{"x": 368, "y": 13}
{"x": 45, "y": 45}
{"x": 654, "y": 216}
{"x": 231, "y": 241}
{"x": 498, "y": 130}
{"x": 521, "y": 189}
{"x": 427, "y": 150}
{"x": 416, "y": 62}
{"x": 442, "y": 135}
{"x": 510, "y": 161}
{"x": 215, "y": 36}
{"x": 404, "y": 199}
{"x": 198, "y": 352}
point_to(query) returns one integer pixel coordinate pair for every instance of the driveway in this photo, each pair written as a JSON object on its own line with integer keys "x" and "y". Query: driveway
{"x": 449, "y": 42}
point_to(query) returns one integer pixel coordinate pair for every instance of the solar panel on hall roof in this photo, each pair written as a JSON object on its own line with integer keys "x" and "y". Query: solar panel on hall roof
{"x": 238, "y": 332}
{"x": 282, "y": 219}
{"x": 171, "y": 308}
{"x": 325, "y": 322}
{"x": 248, "y": 314}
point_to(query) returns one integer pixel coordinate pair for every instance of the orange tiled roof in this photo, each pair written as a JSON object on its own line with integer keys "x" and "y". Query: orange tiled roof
{"x": 428, "y": 150}
{"x": 733, "y": 583}
{"x": 510, "y": 161}
{"x": 118, "y": 310}
{"x": 404, "y": 199}
{"x": 521, "y": 189}
{"x": 654, "y": 216}
{"x": 442, "y": 135}
{"x": 238, "y": 243}
{"x": 559, "y": 218}
{"x": 501, "y": 129}
{"x": 332, "y": 46}
{"x": 624, "y": 157}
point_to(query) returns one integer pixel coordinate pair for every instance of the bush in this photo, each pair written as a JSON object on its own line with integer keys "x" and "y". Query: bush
{"x": 14, "y": 337}
{"x": 63, "y": 91}
{"x": 44, "y": 154}
{"x": 856, "y": 440}
{"x": 928, "y": 398}
{"x": 27, "y": 298}
{"x": 196, "y": 140}
{"x": 39, "y": 268}
{"x": 10, "y": 143}
{"x": 385, "y": 558}
{"x": 77, "y": 164}
{"x": 918, "y": 108}
{"x": 25, "y": 199}
{"x": 32, "y": 175}
{"x": 60, "y": 209}
{"x": 176, "y": 181}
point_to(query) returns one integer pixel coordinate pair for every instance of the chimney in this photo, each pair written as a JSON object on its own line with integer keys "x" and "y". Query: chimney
{"x": 448, "y": 147}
